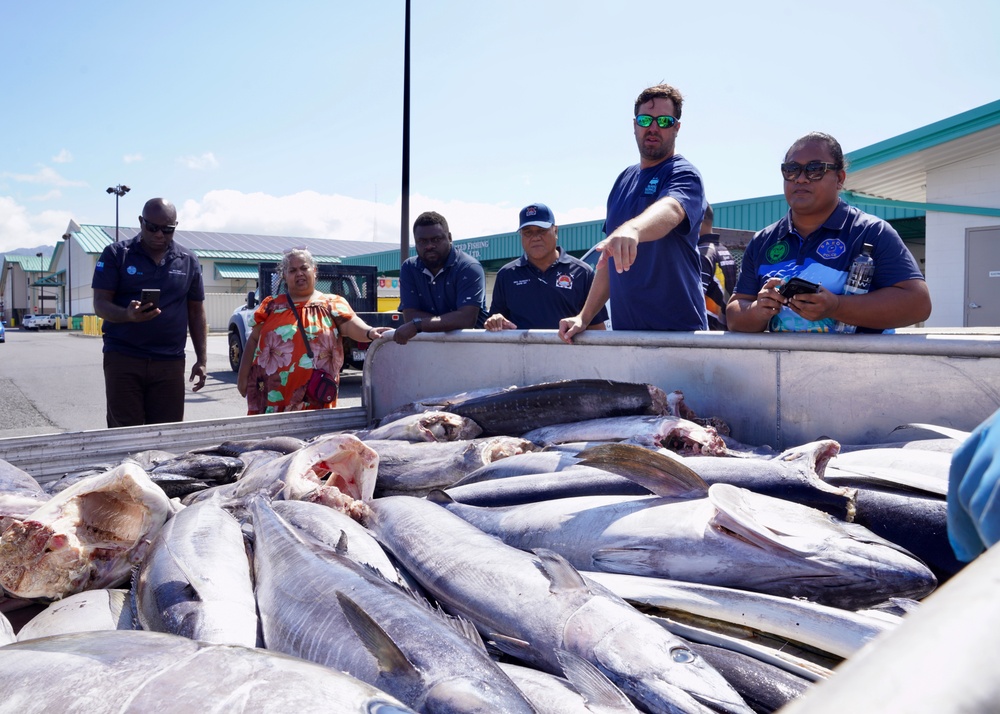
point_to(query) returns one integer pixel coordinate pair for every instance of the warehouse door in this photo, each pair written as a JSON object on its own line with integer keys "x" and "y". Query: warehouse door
{"x": 982, "y": 282}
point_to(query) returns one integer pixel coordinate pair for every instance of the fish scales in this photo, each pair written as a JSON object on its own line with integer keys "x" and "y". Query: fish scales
{"x": 540, "y": 600}
{"x": 517, "y": 411}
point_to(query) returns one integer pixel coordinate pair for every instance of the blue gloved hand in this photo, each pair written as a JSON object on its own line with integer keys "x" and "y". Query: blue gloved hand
{"x": 974, "y": 491}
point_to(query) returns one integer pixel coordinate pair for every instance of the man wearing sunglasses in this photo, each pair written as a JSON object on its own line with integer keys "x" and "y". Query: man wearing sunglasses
{"x": 144, "y": 341}
{"x": 817, "y": 241}
{"x": 650, "y": 266}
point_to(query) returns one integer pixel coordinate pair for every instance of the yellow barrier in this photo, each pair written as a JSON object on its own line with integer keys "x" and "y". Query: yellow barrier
{"x": 92, "y": 325}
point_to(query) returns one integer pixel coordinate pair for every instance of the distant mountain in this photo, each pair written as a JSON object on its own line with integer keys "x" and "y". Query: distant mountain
{"x": 45, "y": 250}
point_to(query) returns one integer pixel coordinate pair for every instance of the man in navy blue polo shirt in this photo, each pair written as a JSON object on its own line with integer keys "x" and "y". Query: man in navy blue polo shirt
{"x": 144, "y": 342}
{"x": 650, "y": 266}
{"x": 817, "y": 241}
{"x": 441, "y": 288}
{"x": 545, "y": 284}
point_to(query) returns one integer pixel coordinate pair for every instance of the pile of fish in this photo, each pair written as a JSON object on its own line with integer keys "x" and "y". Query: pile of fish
{"x": 472, "y": 553}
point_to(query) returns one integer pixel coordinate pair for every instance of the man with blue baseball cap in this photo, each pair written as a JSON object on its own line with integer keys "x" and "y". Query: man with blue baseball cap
{"x": 545, "y": 284}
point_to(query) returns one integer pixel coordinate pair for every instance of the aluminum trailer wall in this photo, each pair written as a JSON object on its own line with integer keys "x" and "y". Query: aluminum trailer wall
{"x": 775, "y": 389}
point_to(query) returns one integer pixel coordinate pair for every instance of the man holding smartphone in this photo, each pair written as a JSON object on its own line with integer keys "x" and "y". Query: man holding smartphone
{"x": 150, "y": 294}
{"x": 816, "y": 242}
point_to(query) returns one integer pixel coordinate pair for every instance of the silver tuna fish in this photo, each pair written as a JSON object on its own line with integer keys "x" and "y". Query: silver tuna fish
{"x": 538, "y": 605}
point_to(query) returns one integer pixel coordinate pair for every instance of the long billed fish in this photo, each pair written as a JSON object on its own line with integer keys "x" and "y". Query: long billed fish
{"x": 88, "y": 536}
{"x": 320, "y": 606}
{"x": 426, "y": 426}
{"x": 730, "y": 537}
{"x": 516, "y": 411}
{"x": 538, "y": 605}
{"x": 135, "y": 671}
{"x": 195, "y": 579}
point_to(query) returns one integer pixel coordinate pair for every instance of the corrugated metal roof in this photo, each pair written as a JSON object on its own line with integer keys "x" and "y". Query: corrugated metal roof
{"x": 93, "y": 239}
{"x": 28, "y": 263}
{"x": 234, "y": 271}
{"x": 897, "y": 168}
{"x": 753, "y": 214}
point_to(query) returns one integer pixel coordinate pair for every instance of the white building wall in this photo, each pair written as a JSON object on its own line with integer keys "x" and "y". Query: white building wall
{"x": 973, "y": 182}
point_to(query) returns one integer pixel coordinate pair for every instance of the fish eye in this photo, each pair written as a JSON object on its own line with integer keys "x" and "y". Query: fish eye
{"x": 682, "y": 655}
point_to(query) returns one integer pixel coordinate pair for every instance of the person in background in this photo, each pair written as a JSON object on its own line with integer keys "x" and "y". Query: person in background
{"x": 817, "y": 241}
{"x": 718, "y": 272}
{"x": 545, "y": 284}
{"x": 974, "y": 491}
{"x": 144, "y": 343}
{"x": 276, "y": 367}
{"x": 649, "y": 262}
{"x": 441, "y": 288}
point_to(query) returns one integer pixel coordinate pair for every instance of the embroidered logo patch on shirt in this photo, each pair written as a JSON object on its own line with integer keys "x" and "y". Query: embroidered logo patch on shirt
{"x": 778, "y": 252}
{"x": 651, "y": 187}
{"x": 831, "y": 248}
{"x": 131, "y": 270}
{"x": 522, "y": 282}
{"x": 564, "y": 281}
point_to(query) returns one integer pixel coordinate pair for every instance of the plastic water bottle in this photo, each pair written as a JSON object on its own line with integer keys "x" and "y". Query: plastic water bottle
{"x": 859, "y": 280}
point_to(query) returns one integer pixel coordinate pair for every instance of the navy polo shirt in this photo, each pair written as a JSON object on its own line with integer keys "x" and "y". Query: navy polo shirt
{"x": 824, "y": 257}
{"x": 536, "y": 300}
{"x": 461, "y": 282}
{"x": 126, "y": 269}
{"x": 662, "y": 290}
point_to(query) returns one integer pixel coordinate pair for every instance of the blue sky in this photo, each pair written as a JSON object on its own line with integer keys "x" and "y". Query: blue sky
{"x": 285, "y": 118}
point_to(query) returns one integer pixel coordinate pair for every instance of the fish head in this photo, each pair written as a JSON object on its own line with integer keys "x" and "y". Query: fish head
{"x": 826, "y": 560}
{"x": 331, "y": 468}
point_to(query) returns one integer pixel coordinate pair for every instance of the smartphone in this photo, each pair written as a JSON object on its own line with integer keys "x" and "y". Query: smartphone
{"x": 151, "y": 295}
{"x": 796, "y": 286}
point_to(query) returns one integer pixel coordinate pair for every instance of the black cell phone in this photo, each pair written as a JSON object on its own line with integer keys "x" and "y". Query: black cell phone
{"x": 796, "y": 286}
{"x": 151, "y": 295}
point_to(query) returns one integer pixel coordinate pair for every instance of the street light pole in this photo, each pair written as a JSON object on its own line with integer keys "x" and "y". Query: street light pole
{"x": 41, "y": 288}
{"x": 118, "y": 191}
{"x": 69, "y": 274}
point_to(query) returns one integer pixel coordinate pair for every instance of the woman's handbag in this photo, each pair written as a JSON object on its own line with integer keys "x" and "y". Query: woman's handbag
{"x": 321, "y": 387}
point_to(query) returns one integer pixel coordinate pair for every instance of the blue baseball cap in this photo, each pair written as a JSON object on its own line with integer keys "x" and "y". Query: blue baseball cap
{"x": 537, "y": 214}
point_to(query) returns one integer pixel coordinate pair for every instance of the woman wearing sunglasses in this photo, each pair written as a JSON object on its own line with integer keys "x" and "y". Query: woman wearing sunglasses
{"x": 817, "y": 241}
{"x": 296, "y": 334}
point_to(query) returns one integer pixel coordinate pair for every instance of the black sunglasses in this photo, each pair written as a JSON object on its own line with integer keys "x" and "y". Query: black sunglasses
{"x": 155, "y": 227}
{"x": 664, "y": 122}
{"x": 815, "y": 170}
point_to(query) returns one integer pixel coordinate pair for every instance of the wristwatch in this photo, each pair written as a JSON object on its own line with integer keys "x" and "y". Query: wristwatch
{"x": 418, "y": 322}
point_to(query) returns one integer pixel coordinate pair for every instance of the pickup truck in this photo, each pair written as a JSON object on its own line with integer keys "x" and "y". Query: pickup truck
{"x": 356, "y": 283}
{"x": 38, "y": 322}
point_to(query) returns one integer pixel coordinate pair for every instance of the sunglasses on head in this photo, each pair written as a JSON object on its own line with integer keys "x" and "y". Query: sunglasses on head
{"x": 664, "y": 122}
{"x": 815, "y": 170}
{"x": 157, "y": 228}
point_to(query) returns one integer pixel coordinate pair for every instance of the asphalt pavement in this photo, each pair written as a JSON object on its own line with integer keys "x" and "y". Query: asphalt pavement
{"x": 53, "y": 381}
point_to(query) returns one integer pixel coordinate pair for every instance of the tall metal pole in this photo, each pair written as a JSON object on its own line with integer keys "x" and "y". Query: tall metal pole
{"x": 404, "y": 201}
{"x": 118, "y": 191}
{"x": 41, "y": 288}
{"x": 69, "y": 274}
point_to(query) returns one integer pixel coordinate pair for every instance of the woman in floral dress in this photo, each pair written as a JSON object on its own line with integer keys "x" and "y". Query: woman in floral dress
{"x": 276, "y": 367}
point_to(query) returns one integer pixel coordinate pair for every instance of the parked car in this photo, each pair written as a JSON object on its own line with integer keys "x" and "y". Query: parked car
{"x": 65, "y": 321}
{"x": 38, "y": 322}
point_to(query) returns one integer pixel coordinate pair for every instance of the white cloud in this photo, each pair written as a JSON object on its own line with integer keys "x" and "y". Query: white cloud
{"x": 313, "y": 215}
{"x": 205, "y": 162}
{"x": 20, "y": 229}
{"x": 63, "y": 157}
{"x": 132, "y": 158}
{"x": 46, "y": 176}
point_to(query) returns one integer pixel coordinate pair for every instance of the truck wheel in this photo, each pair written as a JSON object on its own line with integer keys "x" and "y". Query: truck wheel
{"x": 235, "y": 351}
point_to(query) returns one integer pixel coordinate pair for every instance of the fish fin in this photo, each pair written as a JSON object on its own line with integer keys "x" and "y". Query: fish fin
{"x": 390, "y": 658}
{"x": 942, "y": 430}
{"x": 595, "y": 688}
{"x": 562, "y": 576}
{"x": 439, "y": 497}
{"x": 630, "y": 561}
{"x": 663, "y": 475}
{"x": 734, "y": 513}
{"x": 342, "y": 547}
{"x": 511, "y": 646}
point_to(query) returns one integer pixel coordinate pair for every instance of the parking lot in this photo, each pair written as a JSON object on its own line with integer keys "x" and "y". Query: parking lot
{"x": 53, "y": 381}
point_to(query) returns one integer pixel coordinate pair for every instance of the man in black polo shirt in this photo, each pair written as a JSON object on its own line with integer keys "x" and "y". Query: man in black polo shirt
{"x": 545, "y": 284}
{"x": 144, "y": 343}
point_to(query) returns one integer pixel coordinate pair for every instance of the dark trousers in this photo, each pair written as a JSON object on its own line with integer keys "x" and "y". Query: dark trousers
{"x": 143, "y": 391}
